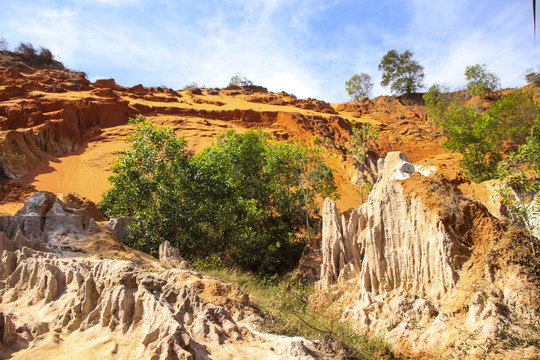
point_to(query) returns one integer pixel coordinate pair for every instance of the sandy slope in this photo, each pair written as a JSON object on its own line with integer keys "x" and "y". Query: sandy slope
{"x": 197, "y": 117}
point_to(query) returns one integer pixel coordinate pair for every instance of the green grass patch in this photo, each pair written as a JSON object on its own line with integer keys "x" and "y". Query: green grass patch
{"x": 285, "y": 307}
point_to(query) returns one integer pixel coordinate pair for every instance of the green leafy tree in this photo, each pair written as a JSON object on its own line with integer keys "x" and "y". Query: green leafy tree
{"x": 477, "y": 137}
{"x": 358, "y": 147}
{"x": 404, "y": 74}
{"x": 242, "y": 200}
{"x": 359, "y": 86}
{"x": 480, "y": 82}
{"x": 268, "y": 196}
{"x": 145, "y": 184}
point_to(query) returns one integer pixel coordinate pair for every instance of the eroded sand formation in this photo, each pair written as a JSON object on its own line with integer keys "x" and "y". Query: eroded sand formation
{"x": 59, "y": 132}
{"x": 424, "y": 263}
{"x": 426, "y": 268}
{"x": 56, "y": 304}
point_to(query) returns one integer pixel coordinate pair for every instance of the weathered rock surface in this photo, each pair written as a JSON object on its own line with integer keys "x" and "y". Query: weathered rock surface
{"x": 46, "y": 217}
{"x": 170, "y": 256}
{"x": 416, "y": 265}
{"x": 119, "y": 226}
{"x": 55, "y": 305}
{"x": 63, "y": 308}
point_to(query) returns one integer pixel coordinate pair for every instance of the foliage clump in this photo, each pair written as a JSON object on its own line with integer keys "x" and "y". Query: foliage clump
{"x": 245, "y": 199}
{"x": 478, "y": 138}
{"x": 480, "y": 82}
{"x": 404, "y": 74}
{"x": 358, "y": 149}
{"x": 359, "y": 86}
{"x": 439, "y": 100}
{"x": 481, "y": 136}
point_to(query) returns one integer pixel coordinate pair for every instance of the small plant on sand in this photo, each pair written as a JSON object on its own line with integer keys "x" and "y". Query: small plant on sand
{"x": 358, "y": 148}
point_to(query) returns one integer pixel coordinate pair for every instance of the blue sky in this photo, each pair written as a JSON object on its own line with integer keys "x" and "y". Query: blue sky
{"x": 308, "y": 48}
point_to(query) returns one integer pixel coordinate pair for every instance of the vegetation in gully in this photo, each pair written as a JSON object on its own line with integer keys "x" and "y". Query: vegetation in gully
{"x": 245, "y": 199}
{"x": 509, "y": 125}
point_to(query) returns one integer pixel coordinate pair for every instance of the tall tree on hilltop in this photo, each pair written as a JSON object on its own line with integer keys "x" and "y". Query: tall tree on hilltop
{"x": 359, "y": 86}
{"x": 404, "y": 74}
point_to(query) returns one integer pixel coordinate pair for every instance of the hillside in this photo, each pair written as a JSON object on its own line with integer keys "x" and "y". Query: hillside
{"x": 427, "y": 262}
{"x": 77, "y": 127}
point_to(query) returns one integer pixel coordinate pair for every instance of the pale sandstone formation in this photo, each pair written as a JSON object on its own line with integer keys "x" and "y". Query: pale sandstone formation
{"x": 54, "y": 305}
{"x": 416, "y": 266}
{"x": 46, "y": 217}
{"x": 169, "y": 255}
{"x": 119, "y": 226}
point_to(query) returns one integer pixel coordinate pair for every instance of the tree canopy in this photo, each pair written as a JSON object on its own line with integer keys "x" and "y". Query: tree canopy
{"x": 480, "y": 82}
{"x": 511, "y": 121}
{"x": 244, "y": 199}
{"x": 359, "y": 86}
{"x": 404, "y": 74}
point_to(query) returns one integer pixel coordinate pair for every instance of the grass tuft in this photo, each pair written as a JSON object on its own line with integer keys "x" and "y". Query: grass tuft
{"x": 285, "y": 308}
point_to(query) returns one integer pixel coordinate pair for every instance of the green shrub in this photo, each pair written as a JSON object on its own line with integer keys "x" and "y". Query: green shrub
{"x": 480, "y": 137}
{"x": 358, "y": 149}
{"x": 404, "y": 74}
{"x": 244, "y": 199}
{"x": 439, "y": 100}
{"x": 359, "y": 86}
{"x": 477, "y": 137}
{"x": 480, "y": 82}
{"x": 515, "y": 113}
{"x": 518, "y": 189}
